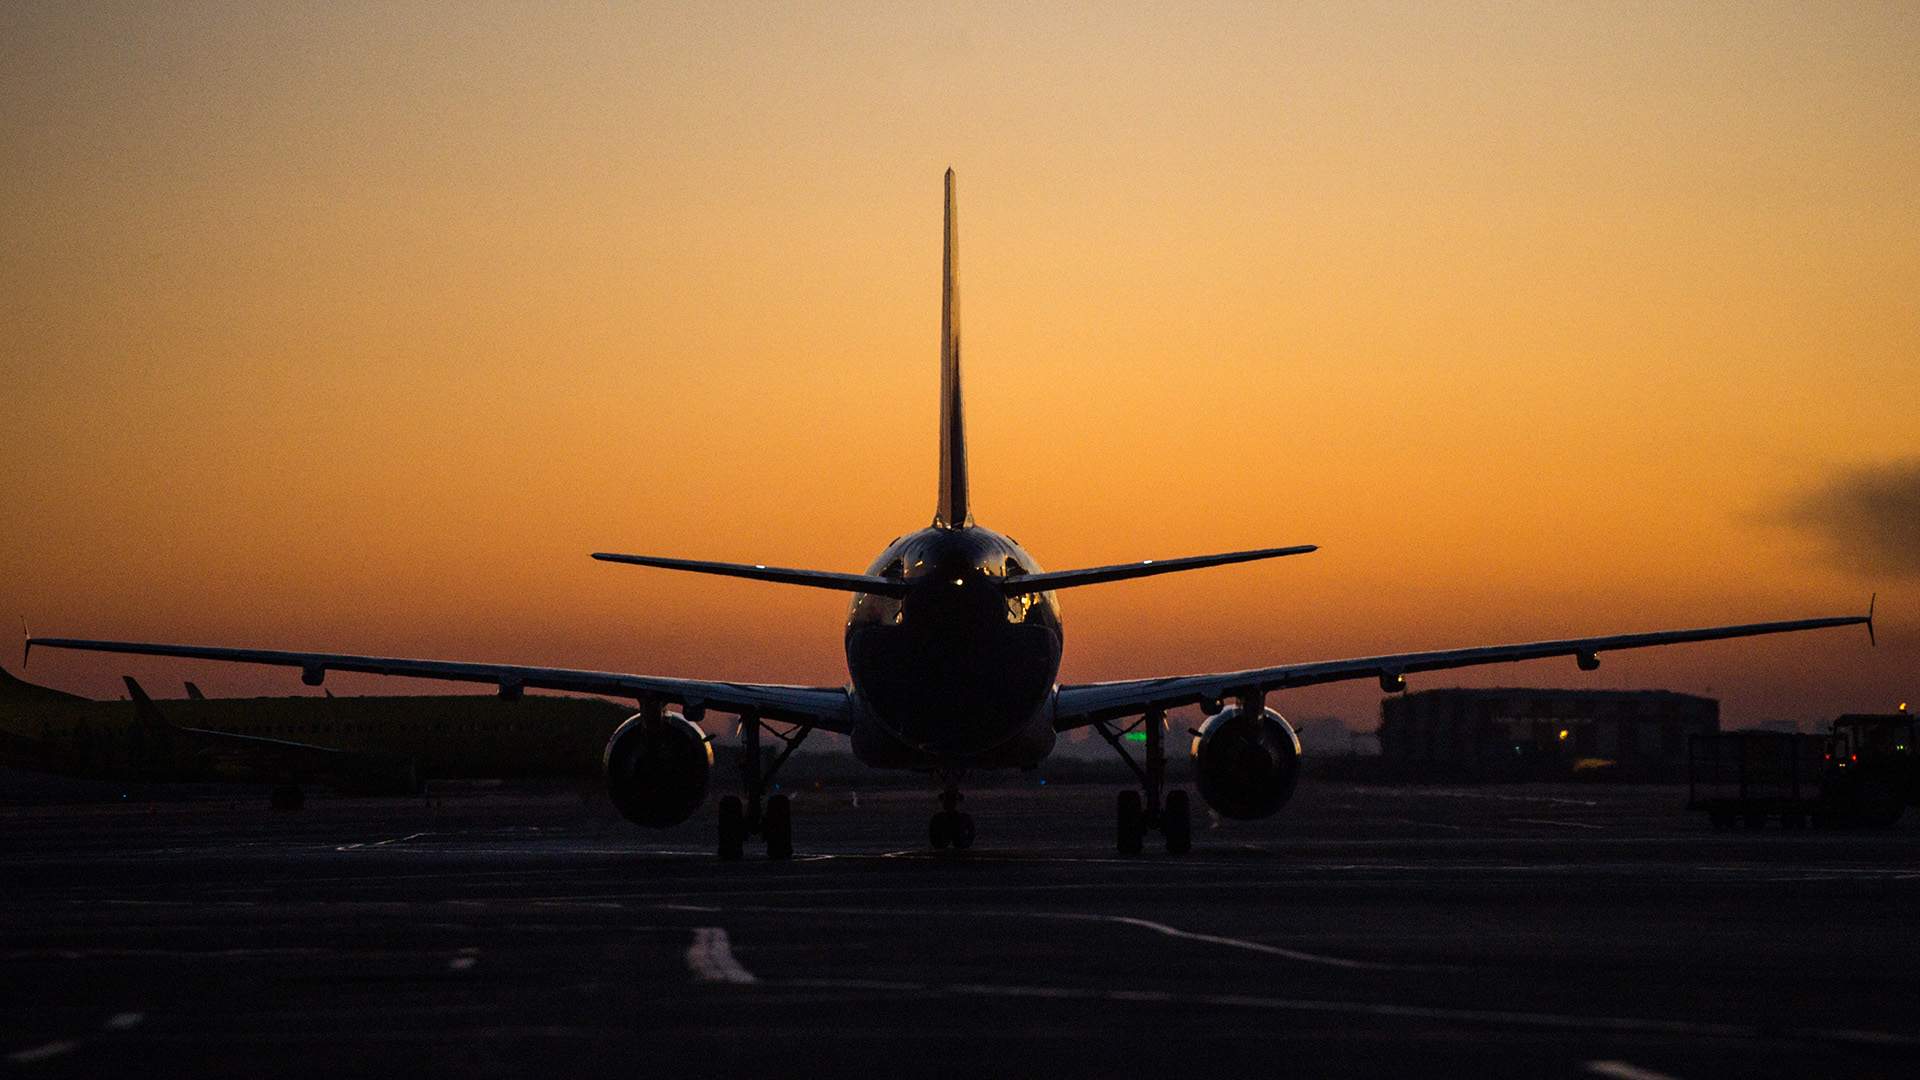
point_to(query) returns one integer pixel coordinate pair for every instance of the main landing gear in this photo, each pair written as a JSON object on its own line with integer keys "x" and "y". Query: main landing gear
{"x": 950, "y": 827}
{"x": 769, "y": 817}
{"x": 1144, "y": 811}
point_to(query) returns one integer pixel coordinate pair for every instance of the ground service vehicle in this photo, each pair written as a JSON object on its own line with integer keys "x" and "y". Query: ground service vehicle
{"x": 1862, "y": 772}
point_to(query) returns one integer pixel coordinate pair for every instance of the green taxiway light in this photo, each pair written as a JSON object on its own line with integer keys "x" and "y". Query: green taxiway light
{"x": 1135, "y": 736}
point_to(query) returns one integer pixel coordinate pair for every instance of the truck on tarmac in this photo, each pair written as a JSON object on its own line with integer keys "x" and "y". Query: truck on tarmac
{"x": 1865, "y": 770}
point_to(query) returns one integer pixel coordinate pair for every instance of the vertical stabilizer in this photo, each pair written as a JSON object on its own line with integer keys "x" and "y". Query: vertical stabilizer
{"x": 953, "y": 512}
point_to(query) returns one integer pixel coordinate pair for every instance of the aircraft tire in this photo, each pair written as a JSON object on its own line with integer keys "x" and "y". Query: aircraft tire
{"x": 777, "y": 826}
{"x": 1176, "y": 823}
{"x": 962, "y": 831}
{"x": 1131, "y": 829}
{"x": 733, "y": 828}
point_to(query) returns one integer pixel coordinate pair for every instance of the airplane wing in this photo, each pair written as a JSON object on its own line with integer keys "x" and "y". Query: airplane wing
{"x": 1090, "y": 703}
{"x": 819, "y": 579}
{"x": 824, "y": 707}
{"x": 178, "y": 752}
{"x": 1066, "y": 579}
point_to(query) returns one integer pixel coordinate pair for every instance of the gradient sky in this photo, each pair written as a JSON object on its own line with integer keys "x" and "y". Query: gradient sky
{"x": 358, "y": 327}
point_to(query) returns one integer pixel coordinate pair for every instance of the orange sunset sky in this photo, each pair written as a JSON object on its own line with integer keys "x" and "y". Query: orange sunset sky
{"x": 357, "y": 327}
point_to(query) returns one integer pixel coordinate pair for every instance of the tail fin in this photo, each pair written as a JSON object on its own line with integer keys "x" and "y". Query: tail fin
{"x": 953, "y": 512}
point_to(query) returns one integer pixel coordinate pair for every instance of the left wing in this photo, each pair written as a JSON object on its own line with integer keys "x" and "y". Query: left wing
{"x": 1090, "y": 703}
{"x": 824, "y": 707}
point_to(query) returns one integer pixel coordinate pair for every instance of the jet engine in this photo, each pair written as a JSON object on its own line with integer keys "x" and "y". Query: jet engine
{"x": 657, "y": 769}
{"x": 1246, "y": 765}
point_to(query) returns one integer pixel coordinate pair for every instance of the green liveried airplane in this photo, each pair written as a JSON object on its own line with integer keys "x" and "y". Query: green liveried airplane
{"x": 953, "y": 641}
{"x": 356, "y": 745}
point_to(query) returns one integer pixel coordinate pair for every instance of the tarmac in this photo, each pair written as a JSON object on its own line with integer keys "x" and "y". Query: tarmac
{"x": 1517, "y": 930}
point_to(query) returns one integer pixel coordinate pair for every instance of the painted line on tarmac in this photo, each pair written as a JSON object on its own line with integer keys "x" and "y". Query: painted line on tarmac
{"x": 1551, "y": 821}
{"x": 47, "y": 1051}
{"x": 1073, "y": 916}
{"x": 1621, "y": 1070}
{"x": 1484, "y": 1017}
{"x": 1237, "y": 943}
{"x": 711, "y": 959}
{"x": 382, "y": 843}
{"x": 44, "y": 1052}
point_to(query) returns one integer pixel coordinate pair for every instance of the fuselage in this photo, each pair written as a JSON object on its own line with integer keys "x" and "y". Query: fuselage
{"x": 957, "y": 672}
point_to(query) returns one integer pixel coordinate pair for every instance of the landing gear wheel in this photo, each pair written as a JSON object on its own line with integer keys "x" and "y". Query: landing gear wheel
{"x": 777, "y": 825}
{"x": 1132, "y": 827}
{"x": 1176, "y": 823}
{"x": 733, "y": 828}
{"x": 962, "y": 831}
{"x": 940, "y": 830}
{"x": 287, "y": 797}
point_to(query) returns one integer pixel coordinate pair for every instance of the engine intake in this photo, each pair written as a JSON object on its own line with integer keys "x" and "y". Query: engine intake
{"x": 1245, "y": 765}
{"x": 657, "y": 771}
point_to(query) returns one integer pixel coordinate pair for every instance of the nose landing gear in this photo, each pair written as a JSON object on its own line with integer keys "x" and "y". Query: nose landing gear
{"x": 950, "y": 827}
{"x": 1144, "y": 811}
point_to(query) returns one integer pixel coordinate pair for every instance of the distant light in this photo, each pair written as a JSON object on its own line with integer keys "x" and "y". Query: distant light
{"x": 1563, "y": 734}
{"x": 1135, "y": 736}
{"x": 959, "y": 581}
{"x": 1903, "y": 706}
{"x": 759, "y": 566}
{"x": 1146, "y": 562}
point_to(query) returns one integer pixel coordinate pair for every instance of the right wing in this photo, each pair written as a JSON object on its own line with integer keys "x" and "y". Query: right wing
{"x": 1090, "y": 703}
{"x": 1020, "y": 584}
{"x": 824, "y": 707}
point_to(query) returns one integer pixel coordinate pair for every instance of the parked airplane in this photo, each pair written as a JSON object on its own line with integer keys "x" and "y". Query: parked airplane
{"x": 357, "y": 745}
{"x": 953, "y": 644}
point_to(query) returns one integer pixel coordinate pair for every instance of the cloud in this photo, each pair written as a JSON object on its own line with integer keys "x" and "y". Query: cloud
{"x": 1869, "y": 517}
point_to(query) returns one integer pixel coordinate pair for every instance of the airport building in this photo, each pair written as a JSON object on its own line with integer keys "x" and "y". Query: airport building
{"x": 1530, "y": 734}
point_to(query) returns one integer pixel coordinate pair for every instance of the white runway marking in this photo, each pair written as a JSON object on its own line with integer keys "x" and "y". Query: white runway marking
{"x": 42, "y": 1052}
{"x": 1620, "y": 1070}
{"x": 124, "y": 1021}
{"x": 1550, "y": 821}
{"x": 1077, "y": 916}
{"x": 382, "y": 843}
{"x": 1237, "y": 943}
{"x": 710, "y": 958}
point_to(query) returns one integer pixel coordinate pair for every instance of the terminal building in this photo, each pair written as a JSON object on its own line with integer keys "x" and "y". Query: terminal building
{"x": 1529, "y": 734}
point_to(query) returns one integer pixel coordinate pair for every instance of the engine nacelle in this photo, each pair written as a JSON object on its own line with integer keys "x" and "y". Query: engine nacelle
{"x": 1246, "y": 766}
{"x": 657, "y": 773}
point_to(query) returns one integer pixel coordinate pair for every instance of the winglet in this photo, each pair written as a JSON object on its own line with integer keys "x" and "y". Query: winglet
{"x": 1871, "y": 601}
{"x": 953, "y": 512}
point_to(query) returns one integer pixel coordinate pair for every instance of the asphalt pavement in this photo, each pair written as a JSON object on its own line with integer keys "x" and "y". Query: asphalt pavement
{"x": 1521, "y": 930}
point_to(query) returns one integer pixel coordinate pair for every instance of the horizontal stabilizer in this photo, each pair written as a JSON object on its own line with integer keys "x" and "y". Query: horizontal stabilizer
{"x": 1066, "y": 579}
{"x": 819, "y": 579}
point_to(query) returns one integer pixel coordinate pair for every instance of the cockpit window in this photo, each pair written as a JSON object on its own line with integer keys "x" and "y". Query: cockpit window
{"x": 1012, "y": 568}
{"x": 895, "y": 569}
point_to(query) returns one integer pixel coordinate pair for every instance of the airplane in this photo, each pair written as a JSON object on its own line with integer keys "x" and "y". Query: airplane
{"x": 380, "y": 746}
{"x": 953, "y": 645}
